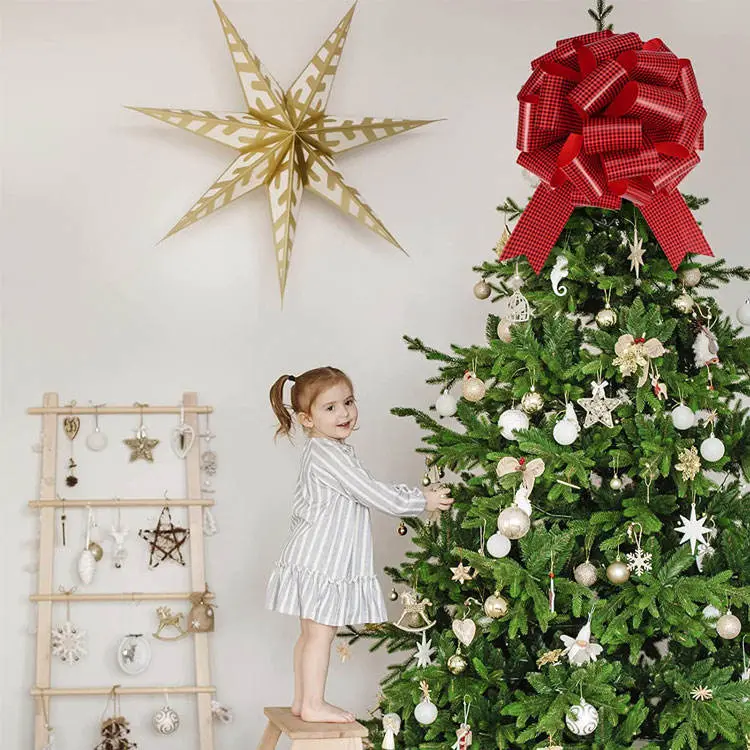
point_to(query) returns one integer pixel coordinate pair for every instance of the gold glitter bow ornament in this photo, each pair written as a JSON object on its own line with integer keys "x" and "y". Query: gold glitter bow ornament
{"x": 634, "y": 354}
{"x": 529, "y": 470}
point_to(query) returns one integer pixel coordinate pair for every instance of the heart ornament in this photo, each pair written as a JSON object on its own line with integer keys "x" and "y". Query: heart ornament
{"x": 465, "y": 630}
{"x": 183, "y": 437}
{"x": 71, "y": 425}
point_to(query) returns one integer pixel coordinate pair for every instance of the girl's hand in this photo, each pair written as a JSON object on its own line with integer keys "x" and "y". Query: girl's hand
{"x": 437, "y": 497}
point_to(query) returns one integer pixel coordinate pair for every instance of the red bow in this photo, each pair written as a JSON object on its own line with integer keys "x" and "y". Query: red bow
{"x": 603, "y": 117}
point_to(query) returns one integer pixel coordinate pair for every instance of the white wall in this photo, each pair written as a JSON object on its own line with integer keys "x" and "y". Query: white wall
{"x": 94, "y": 309}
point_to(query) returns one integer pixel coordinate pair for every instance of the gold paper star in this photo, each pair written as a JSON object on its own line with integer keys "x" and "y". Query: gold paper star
{"x": 550, "y": 657}
{"x": 286, "y": 141}
{"x": 462, "y": 573}
{"x": 701, "y": 693}
{"x": 141, "y": 446}
{"x": 689, "y": 463}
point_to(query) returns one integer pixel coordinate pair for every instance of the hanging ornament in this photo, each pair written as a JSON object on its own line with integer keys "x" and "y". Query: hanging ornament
{"x": 615, "y": 483}
{"x": 683, "y": 417}
{"x": 465, "y": 630}
{"x": 504, "y": 237}
{"x": 636, "y": 253}
{"x": 86, "y": 565}
{"x": 529, "y": 470}
{"x": 71, "y": 424}
{"x": 690, "y": 277}
{"x": 582, "y": 718}
{"x": 63, "y": 522}
{"x": 401, "y": 529}
{"x": 550, "y": 657}
{"x": 705, "y": 347}
{"x": 201, "y": 617}
{"x": 513, "y": 523}
{"x": 456, "y": 662}
{"x": 166, "y": 720}
{"x": 617, "y": 572}
{"x": 71, "y": 480}
{"x": 701, "y": 693}
{"x": 391, "y": 727}
{"x": 639, "y": 562}
{"x": 495, "y": 606}
{"x": 393, "y": 596}
{"x": 557, "y": 274}
{"x": 424, "y": 652}
{"x": 634, "y": 354}
{"x": 51, "y": 745}
{"x": 551, "y": 576}
{"x": 414, "y": 617}
{"x": 659, "y": 388}
{"x": 115, "y": 729}
{"x": 521, "y": 500}
{"x": 743, "y": 313}
{"x": 689, "y": 463}
{"x": 168, "y": 619}
{"x": 183, "y": 436}
{"x": 728, "y": 626}
{"x": 97, "y": 440}
{"x": 711, "y": 614}
{"x": 580, "y": 650}
{"x": 532, "y": 402}
{"x": 119, "y": 534}
{"x": 209, "y": 523}
{"x": 482, "y": 289}
{"x": 566, "y": 431}
{"x": 693, "y": 529}
{"x": 134, "y": 654}
{"x": 462, "y": 573}
{"x": 684, "y": 303}
{"x": 606, "y": 317}
{"x": 498, "y": 545}
{"x": 550, "y": 745}
{"x": 472, "y": 388}
{"x": 141, "y": 446}
{"x": 166, "y": 540}
{"x": 503, "y": 331}
{"x": 516, "y": 306}
{"x": 69, "y": 641}
{"x": 712, "y": 449}
{"x": 446, "y": 405}
{"x": 463, "y": 733}
{"x": 221, "y": 712}
{"x": 426, "y": 711}
{"x": 585, "y": 574}
{"x": 510, "y": 421}
{"x": 598, "y": 408}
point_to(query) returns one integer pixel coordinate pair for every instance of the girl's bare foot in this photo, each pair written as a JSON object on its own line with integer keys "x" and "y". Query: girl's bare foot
{"x": 296, "y": 708}
{"x": 326, "y": 713}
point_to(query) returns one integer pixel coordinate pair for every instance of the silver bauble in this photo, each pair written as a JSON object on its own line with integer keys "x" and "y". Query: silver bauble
{"x": 456, "y": 664}
{"x": 582, "y": 718}
{"x": 617, "y": 572}
{"x": 473, "y": 389}
{"x": 495, "y": 606}
{"x": 728, "y": 626}
{"x": 690, "y": 277}
{"x": 585, "y": 574}
{"x": 166, "y": 720}
{"x": 482, "y": 289}
{"x": 513, "y": 523}
{"x": 606, "y": 318}
{"x": 684, "y": 303}
{"x": 532, "y": 402}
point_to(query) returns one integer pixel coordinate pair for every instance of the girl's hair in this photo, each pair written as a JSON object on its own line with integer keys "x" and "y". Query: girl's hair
{"x": 305, "y": 389}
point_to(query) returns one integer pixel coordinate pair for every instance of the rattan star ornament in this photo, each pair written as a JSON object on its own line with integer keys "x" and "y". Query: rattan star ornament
{"x": 165, "y": 540}
{"x": 287, "y": 141}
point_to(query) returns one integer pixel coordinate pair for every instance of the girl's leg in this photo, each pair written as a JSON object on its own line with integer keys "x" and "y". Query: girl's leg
{"x": 316, "y": 654}
{"x": 298, "y": 649}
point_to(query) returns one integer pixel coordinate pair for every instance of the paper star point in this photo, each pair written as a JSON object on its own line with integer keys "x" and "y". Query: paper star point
{"x": 693, "y": 529}
{"x": 286, "y": 141}
{"x": 462, "y": 573}
{"x": 424, "y": 652}
{"x": 599, "y": 408}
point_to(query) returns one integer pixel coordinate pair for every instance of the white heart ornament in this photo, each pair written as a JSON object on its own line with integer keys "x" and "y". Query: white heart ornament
{"x": 465, "y": 631}
{"x": 183, "y": 437}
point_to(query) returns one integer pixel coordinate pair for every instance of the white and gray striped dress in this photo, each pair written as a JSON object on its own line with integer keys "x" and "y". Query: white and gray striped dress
{"x": 325, "y": 571}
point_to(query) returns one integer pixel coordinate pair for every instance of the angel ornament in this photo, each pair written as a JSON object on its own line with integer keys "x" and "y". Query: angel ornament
{"x": 580, "y": 650}
{"x": 414, "y": 619}
{"x": 635, "y": 355}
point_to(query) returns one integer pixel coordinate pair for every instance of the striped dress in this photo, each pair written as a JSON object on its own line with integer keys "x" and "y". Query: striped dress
{"x": 325, "y": 571}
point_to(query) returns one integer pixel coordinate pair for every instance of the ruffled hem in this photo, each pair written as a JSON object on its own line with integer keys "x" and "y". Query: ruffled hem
{"x": 294, "y": 590}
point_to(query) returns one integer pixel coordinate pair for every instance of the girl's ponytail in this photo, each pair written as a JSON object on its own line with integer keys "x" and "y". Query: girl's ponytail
{"x": 279, "y": 409}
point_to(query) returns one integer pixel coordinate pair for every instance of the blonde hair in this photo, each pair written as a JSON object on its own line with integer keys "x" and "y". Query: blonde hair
{"x": 305, "y": 389}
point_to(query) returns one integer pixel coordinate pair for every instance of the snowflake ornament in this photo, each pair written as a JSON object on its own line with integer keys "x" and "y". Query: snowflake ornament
{"x": 639, "y": 562}
{"x": 693, "y": 529}
{"x": 69, "y": 643}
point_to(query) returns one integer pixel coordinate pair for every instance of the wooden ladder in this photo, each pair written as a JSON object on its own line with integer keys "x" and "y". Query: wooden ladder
{"x": 47, "y": 502}
{"x": 308, "y": 736}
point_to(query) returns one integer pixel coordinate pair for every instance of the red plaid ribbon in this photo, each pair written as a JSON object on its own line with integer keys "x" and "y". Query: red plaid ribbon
{"x": 604, "y": 117}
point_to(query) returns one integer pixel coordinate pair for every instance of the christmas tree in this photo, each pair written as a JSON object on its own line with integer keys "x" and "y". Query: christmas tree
{"x": 590, "y": 587}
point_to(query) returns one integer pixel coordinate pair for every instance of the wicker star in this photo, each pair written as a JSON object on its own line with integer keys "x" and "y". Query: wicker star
{"x": 689, "y": 463}
{"x": 701, "y": 693}
{"x": 165, "y": 540}
{"x": 286, "y": 141}
{"x": 599, "y": 408}
{"x": 141, "y": 446}
{"x": 462, "y": 573}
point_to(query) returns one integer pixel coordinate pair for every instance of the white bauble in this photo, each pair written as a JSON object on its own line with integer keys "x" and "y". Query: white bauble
{"x": 503, "y": 331}
{"x": 743, "y": 313}
{"x": 683, "y": 417}
{"x": 728, "y": 626}
{"x": 513, "y": 523}
{"x": 498, "y": 545}
{"x": 473, "y": 388}
{"x": 134, "y": 654}
{"x": 565, "y": 432}
{"x": 446, "y": 405}
{"x": 690, "y": 277}
{"x": 482, "y": 289}
{"x": 426, "y": 711}
{"x": 712, "y": 449}
{"x": 510, "y": 421}
{"x": 582, "y": 718}
{"x": 166, "y": 720}
{"x": 712, "y": 614}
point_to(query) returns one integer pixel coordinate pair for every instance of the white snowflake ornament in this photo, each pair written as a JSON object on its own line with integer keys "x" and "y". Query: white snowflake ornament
{"x": 639, "y": 562}
{"x": 424, "y": 652}
{"x": 69, "y": 643}
{"x": 693, "y": 529}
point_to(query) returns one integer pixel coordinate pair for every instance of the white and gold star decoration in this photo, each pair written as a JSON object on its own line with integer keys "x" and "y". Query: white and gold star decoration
{"x": 636, "y": 253}
{"x": 702, "y": 693}
{"x": 462, "y": 573}
{"x": 693, "y": 529}
{"x": 599, "y": 408}
{"x": 286, "y": 141}
{"x": 424, "y": 653}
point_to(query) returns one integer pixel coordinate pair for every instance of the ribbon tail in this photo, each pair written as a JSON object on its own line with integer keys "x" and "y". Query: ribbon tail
{"x": 540, "y": 225}
{"x": 674, "y": 227}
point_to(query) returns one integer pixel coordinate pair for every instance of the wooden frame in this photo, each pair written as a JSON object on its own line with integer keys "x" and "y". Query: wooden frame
{"x": 51, "y": 412}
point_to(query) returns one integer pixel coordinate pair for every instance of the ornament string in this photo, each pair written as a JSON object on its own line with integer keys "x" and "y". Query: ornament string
{"x": 481, "y": 536}
{"x": 551, "y": 581}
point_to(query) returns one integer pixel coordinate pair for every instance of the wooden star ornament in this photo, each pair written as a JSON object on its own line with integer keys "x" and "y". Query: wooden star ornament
{"x": 165, "y": 540}
{"x": 286, "y": 141}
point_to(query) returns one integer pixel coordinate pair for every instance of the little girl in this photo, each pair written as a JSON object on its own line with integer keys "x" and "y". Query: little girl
{"x": 325, "y": 573}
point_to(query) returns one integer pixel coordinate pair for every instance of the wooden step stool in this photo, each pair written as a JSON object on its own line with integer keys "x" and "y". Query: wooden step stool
{"x": 308, "y": 736}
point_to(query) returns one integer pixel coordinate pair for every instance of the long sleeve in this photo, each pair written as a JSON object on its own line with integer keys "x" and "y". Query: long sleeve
{"x": 334, "y": 467}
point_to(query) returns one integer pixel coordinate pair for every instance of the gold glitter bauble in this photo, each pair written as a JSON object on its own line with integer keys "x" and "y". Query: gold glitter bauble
{"x": 473, "y": 389}
{"x": 585, "y": 574}
{"x": 684, "y": 303}
{"x": 690, "y": 277}
{"x": 728, "y": 626}
{"x": 606, "y": 318}
{"x": 456, "y": 664}
{"x": 532, "y": 402}
{"x": 495, "y": 606}
{"x": 482, "y": 289}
